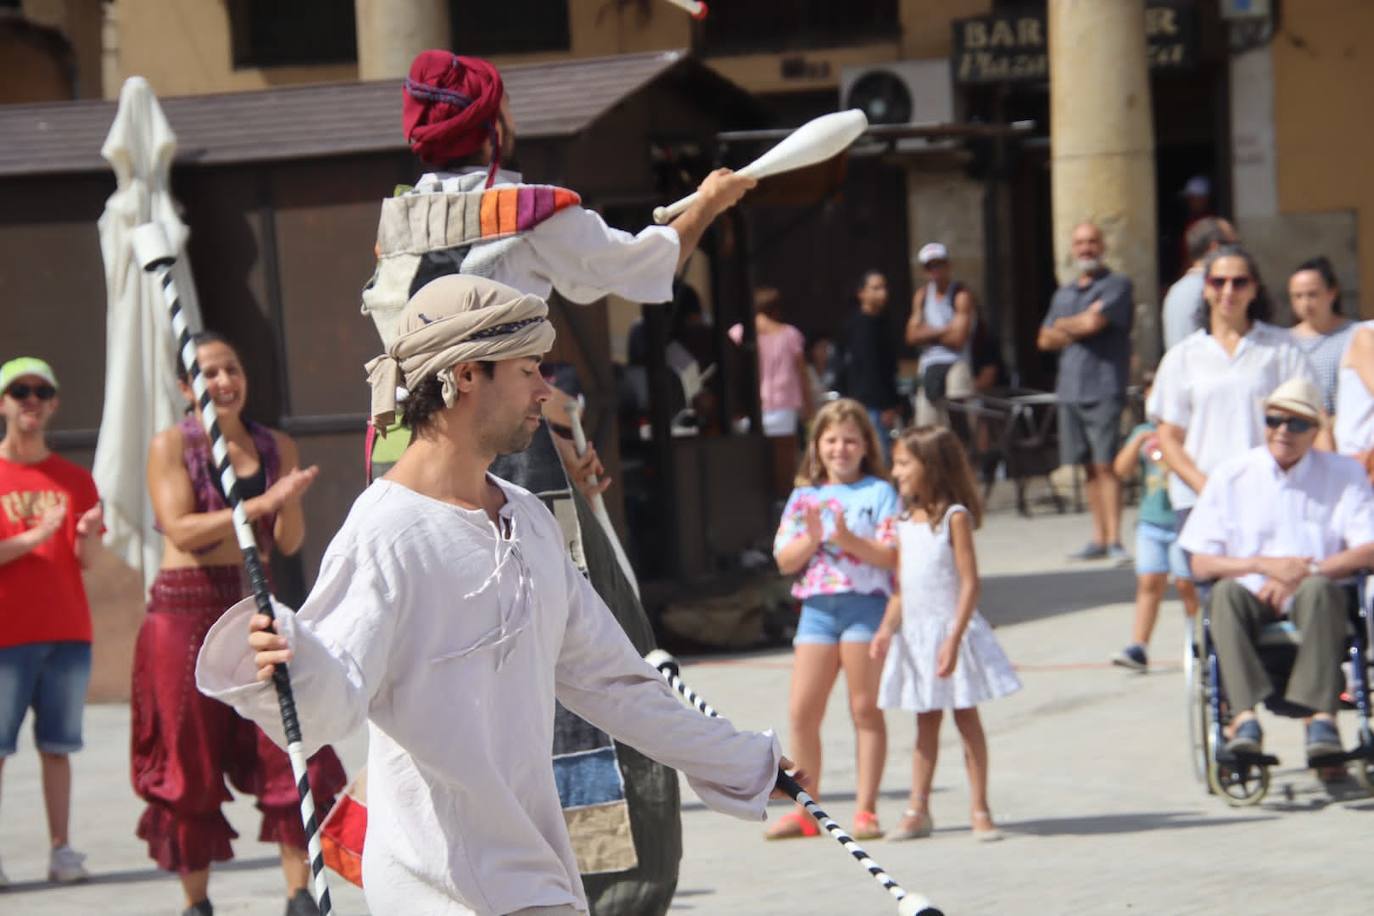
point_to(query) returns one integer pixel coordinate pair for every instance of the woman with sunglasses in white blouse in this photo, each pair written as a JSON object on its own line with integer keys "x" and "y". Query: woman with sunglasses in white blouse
{"x": 1209, "y": 388}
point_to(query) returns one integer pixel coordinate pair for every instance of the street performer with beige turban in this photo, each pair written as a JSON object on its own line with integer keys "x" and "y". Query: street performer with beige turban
{"x": 469, "y": 215}
{"x": 448, "y": 616}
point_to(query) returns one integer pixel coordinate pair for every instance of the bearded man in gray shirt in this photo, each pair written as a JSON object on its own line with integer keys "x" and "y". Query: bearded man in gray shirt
{"x": 1089, "y": 325}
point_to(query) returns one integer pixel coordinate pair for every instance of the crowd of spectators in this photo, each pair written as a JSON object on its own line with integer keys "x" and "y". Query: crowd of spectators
{"x": 1235, "y": 402}
{"x": 1254, "y": 454}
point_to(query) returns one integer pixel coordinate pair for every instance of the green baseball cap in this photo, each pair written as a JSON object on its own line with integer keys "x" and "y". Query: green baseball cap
{"x": 26, "y": 365}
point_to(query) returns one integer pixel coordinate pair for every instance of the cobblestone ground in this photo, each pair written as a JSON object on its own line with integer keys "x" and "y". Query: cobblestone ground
{"x": 1090, "y": 782}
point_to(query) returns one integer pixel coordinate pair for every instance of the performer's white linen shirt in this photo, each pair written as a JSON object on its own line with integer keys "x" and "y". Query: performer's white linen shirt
{"x": 1218, "y": 397}
{"x": 575, "y": 252}
{"x": 1253, "y": 508}
{"x": 452, "y": 643}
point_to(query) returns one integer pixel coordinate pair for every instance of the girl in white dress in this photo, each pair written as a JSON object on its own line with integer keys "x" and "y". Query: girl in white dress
{"x": 940, "y": 652}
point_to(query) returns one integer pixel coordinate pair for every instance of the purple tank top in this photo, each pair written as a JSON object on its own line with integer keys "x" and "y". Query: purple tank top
{"x": 199, "y": 462}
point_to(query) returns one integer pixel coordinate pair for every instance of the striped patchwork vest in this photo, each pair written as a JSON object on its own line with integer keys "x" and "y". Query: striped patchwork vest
{"x": 428, "y": 231}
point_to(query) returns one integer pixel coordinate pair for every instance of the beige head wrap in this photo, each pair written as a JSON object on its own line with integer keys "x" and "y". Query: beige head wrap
{"x": 454, "y": 319}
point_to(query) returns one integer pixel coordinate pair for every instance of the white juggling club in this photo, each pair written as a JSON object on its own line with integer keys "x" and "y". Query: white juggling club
{"x": 815, "y": 141}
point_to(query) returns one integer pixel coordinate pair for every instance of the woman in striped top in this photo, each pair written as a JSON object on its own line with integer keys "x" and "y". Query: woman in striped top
{"x": 1322, "y": 333}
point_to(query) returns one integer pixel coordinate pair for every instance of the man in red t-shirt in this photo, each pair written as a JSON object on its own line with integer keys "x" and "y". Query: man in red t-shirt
{"x": 50, "y": 521}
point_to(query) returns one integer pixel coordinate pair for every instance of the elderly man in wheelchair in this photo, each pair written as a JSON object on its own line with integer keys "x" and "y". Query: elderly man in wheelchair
{"x": 1278, "y": 528}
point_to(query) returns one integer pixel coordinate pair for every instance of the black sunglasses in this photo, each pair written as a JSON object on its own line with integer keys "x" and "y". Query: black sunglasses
{"x": 1294, "y": 424}
{"x": 19, "y": 391}
{"x": 1238, "y": 283}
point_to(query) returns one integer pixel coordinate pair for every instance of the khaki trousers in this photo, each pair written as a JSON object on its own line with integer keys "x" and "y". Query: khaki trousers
{"x": 958, "y": 384}
{"x": 1319, "y": 613}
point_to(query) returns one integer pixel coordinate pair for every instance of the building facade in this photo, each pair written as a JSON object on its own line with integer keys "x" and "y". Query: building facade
{"x": 1267, "y": 109}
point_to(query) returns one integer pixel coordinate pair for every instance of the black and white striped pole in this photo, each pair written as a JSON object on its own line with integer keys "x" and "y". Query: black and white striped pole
{"x": 908, "y": 903}
{"x": 156, "y": 256}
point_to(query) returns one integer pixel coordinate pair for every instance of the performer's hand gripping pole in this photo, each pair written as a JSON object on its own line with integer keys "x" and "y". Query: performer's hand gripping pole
{"x": 908, "y": 903}
{"x": 156, "y": 255}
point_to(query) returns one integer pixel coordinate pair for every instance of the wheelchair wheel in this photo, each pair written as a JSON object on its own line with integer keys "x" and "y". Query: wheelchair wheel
{"x": 1364, "y": 766}
{"x": 1195, "y": 698}
{"x": 1241, "y": 785}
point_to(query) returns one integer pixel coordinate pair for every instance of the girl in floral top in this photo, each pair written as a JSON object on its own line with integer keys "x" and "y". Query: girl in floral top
{"x": 830, "y": 534}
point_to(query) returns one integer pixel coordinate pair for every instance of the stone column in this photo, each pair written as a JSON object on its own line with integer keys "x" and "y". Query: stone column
{"x": 1103, "y": 148}
{"x": 392, "y": 32}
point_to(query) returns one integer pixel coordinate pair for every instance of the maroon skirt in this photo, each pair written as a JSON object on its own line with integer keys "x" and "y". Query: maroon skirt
{"x": 186, "y": 746}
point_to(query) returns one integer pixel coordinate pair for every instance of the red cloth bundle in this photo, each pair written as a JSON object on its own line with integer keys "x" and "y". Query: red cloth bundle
{"x": 344, "y": 830}
{"x": 450, "y": 106}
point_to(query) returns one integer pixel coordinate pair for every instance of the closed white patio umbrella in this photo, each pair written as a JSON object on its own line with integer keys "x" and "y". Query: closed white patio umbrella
{"x": 141, "y": 395}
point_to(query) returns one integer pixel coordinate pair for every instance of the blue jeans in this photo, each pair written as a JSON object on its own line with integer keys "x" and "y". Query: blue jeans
{"x": 50, "y": 677}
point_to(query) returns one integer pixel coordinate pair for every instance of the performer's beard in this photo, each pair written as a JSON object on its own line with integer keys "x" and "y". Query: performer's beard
{"x": 517, "y": 441}
{"x": 514, "y": 439}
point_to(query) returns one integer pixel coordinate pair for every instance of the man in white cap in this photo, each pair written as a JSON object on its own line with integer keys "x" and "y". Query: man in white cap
{"x": 449, "y": 617}
{"x": 943, "y": 315}
{"x": 50, "y": 522}
{"x": 1197, "y": 191}
{"x": 1280, "y": 526}
{"x": 1197, "y": 206}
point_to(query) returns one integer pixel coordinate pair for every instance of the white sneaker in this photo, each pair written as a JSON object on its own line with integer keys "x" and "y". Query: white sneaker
{"x": 66, "y": 865}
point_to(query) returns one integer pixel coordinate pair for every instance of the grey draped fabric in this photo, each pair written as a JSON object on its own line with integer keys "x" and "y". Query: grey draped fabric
{"x": 651, "y": 789}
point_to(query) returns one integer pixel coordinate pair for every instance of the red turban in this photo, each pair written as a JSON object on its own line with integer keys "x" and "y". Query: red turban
{"x": 450, "y": 106}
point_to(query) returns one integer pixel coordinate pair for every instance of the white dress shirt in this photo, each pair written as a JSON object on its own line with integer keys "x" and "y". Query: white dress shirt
{"x": 1218, "y": 398}
{"x": 1252, "y": 508}
{"x": 1354, "y": 427}
{"x": 451, "y": 642}
{"x": 1181, "y": 304}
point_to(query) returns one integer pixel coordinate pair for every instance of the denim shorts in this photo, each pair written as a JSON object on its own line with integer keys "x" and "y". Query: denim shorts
{"x": 847, "y": 617}
{"x": 1157, "y": 551}
{"x": 50, "y": 677}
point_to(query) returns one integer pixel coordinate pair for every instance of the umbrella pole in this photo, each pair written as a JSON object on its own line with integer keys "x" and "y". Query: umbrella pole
{"x": 156, "y": 256}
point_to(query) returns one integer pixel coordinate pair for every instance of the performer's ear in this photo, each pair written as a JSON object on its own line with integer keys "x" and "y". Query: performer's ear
{"x": 465, "y": 376}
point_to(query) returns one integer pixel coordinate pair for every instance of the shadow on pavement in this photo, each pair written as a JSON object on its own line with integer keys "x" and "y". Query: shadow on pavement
{"x": 1103, "y": 824}
{"x": 830, "y": 799}
{"x": 1023, "y": 597}
{"x": 1295, "y": 789}
{"x": 138, "y": 875}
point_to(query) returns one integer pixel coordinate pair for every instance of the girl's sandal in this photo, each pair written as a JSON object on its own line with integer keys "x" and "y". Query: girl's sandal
{"x": 866, "y": 826}
{"x": 914, "y": 825}
{"x": 983, "y": 829}
{"x": 792, "y": 826}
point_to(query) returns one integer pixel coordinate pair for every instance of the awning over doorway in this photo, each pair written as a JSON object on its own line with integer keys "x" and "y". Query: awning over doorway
{"x": 548, "y": 100}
